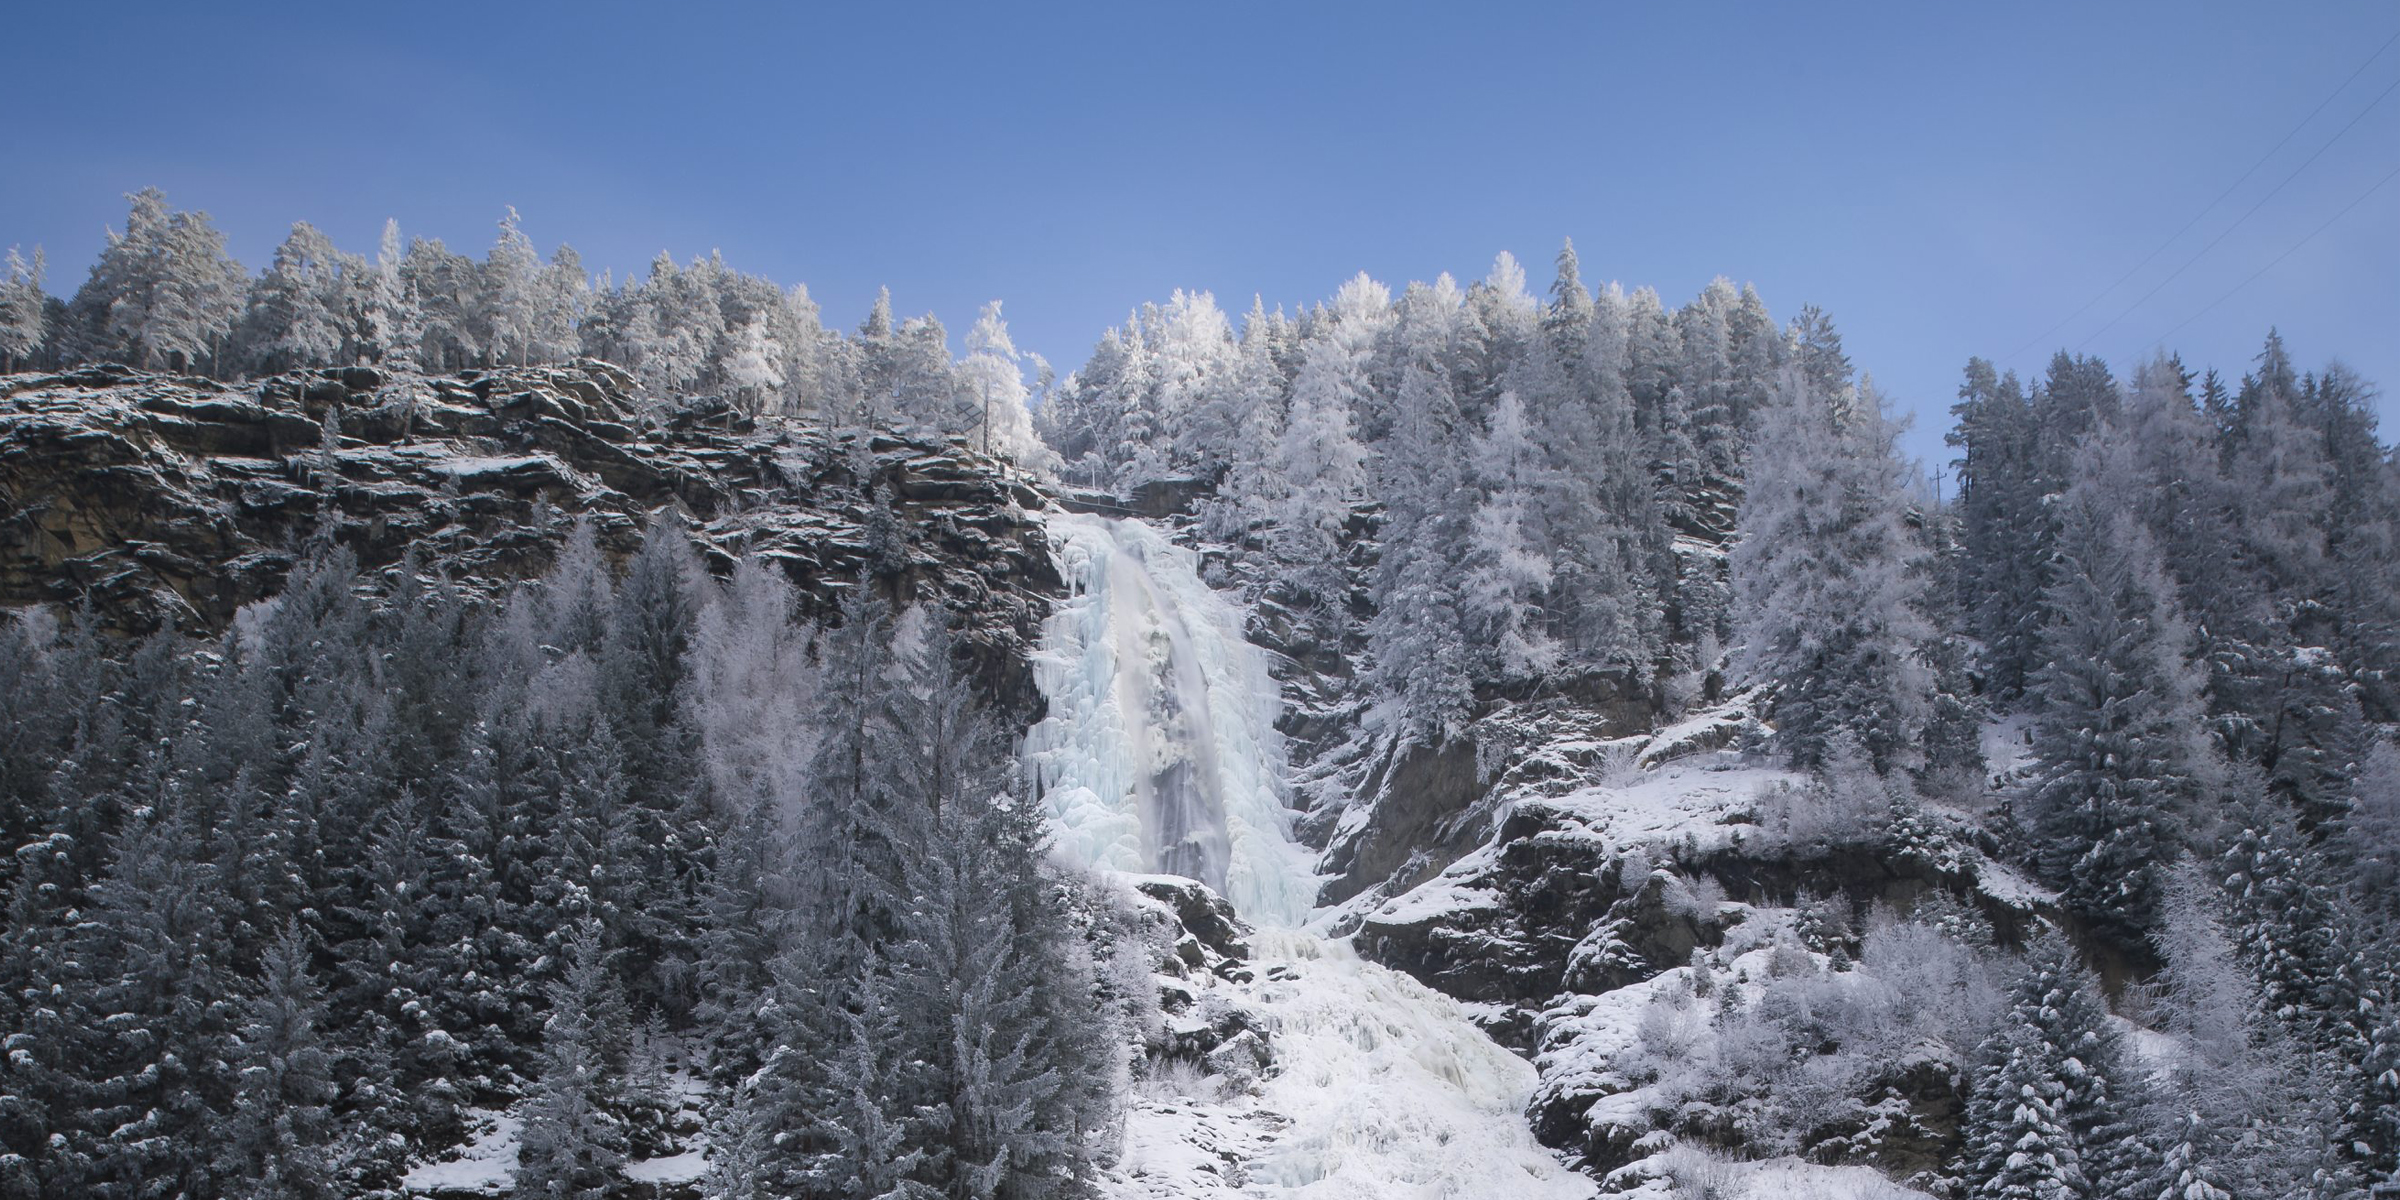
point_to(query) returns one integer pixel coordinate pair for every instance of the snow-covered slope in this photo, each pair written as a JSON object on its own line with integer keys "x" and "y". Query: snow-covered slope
{"x": 1381, "y": 1087}
{"x": 1159, "y": 754}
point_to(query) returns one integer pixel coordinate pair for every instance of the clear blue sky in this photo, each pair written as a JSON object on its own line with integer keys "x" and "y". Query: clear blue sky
{"x": 1946, "y": 180}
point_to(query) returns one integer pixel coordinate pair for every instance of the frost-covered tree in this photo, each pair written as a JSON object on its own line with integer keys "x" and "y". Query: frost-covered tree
{"x": 448, "y": 289}
{"x": 991, "y": 380}
{"x": 573, "y": 1141}
{"x": 1319, "y": 457}
{"x": 299, "y": 310}
{"x": 755, "y": 369}
{"x": 1198, "y": 399}
{"x": 22, "y": 303}
{"x": 1826, "y": 580}
{"x": 282, "y": 1128}
{"x": 2123, "y": 764}
{"x": 1597, "y": 510}
{"x": 1252, "y": 484}
{"x": 1422, "y": 670}
{"x": 390, "y": 329}
{"x": 508, "y": 314}
{"x": 164, "y": 294}
{"x": 1508, "y": 569}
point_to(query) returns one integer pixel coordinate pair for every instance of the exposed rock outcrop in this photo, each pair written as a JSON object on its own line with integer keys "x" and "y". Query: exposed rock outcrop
{"x": 174, "y": 501}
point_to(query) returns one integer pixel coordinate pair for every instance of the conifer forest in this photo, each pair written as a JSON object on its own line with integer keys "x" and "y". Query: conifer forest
{"x": 471, "y": 727}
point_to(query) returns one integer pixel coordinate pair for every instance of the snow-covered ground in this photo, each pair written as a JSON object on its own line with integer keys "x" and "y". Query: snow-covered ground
{"x": 1381, "y": 1088}
{"x": 488, "y": 1162}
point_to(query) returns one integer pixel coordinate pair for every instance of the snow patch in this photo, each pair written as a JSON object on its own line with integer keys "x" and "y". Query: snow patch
{"x": 487, "y": 1163}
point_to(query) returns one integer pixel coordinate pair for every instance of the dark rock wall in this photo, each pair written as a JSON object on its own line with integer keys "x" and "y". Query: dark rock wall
{"x": 166, "y": 501}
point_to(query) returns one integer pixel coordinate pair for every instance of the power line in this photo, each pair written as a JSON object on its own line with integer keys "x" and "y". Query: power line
{"x": 2237, "y": 222}
{"x": 2172, "y": 238}
{"x": 2278, "y": 259}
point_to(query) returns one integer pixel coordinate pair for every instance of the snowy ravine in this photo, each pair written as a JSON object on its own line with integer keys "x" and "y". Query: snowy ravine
{"x": 1160, "y": 754}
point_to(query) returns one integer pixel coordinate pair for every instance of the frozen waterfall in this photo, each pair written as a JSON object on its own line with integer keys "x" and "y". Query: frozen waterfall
{"x": 1160, "y": 753}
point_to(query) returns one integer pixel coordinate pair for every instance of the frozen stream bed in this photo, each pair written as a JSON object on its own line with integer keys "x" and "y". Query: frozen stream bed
{"x": 1160, "y": 755}
{"x": 1382, "y": 1089}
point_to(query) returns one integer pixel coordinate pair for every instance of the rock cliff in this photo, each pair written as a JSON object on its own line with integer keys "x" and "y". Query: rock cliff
{"x": 161, "y": 500}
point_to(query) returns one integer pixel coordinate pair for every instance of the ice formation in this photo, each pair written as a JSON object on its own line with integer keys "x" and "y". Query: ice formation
{"x": 1160, "y": 751}
{"x": 1159, "y": 754}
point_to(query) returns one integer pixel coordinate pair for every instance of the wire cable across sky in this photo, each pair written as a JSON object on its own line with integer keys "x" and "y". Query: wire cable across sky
{"x": 2211, "y": 206}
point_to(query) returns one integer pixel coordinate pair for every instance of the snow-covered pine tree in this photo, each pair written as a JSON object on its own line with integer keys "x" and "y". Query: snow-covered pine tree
{"x": 279, "y": 1136}
{"x": 23, "y": 329}
{"x": 2249, "y": 1106}
{"x": 2297, "y": 935}
{"x": 2055, "y": 1108}
{"x": 298, "y": 313}
{"x": 2364, "y": 528}
{"x": 164, "y": 295}
{"x": 573, "y": 1142}
{"x": 643, "y": 670}
{"x": 1508, "y": 570}
{"x": 2123, "y": 770}
{"x": 1417, "y": 636}
{"x": 2017, "y": 1148}
{"x": 2184, "y": 1172}
{"x": 1826, "y": 578}
{"x": 1000, "y": 1019}
{"x": 154, "y": 1057}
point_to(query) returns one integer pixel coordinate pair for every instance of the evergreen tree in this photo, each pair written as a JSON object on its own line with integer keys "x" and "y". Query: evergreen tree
{"x": 1827, "y": 581}
{"x": 163, "y": 295}
{"x": 298, "y": 312}
{"x": 157, "y": 1013}
{"x": 1508, "y": 571}
{"x": 1011, "y": 1081}
{"x": 573, "y": 1143}
{"x": 2184, "y": 1173}
{"x": 1320, "y": 458}
{"x": 282, "y": 1126}
{"x": 2003, "y": 521}
{"x": 23, "y": 328}
{"x": 449, "y": 297}
{"x": 1417, "y": 635}
{"x": 2122, "y": 767}
{"x": 2054, "y": 1110}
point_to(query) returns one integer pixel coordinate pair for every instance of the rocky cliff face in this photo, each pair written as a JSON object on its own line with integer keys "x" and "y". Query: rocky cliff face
{"x": 174, "y": 501}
